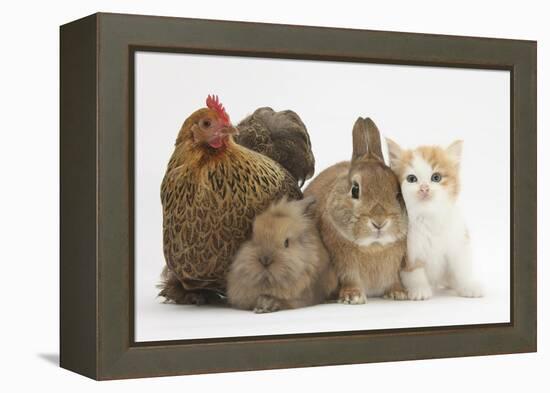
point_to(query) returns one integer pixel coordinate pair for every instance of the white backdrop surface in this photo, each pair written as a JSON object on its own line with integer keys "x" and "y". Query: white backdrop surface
{"x": 29, "y": 158}
{"x": 412, "y": 105}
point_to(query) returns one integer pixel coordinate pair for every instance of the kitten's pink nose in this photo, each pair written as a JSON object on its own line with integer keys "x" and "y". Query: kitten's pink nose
{"x": 424, "y": 188}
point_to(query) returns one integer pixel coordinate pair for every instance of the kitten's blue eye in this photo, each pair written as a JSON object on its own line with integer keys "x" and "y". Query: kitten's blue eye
{"x": 436, "y": 177}
{"x": 412, "y": 179}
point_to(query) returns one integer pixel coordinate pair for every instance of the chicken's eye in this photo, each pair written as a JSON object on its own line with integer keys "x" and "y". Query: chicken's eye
{"x": 287, "y": 243}
{"x": 355, "y": 190}
{"x": 206, "y": 123}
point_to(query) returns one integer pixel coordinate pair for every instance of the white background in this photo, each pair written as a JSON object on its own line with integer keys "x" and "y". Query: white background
{"x": 30, "y": 215}
{"x": 412, "y": 105}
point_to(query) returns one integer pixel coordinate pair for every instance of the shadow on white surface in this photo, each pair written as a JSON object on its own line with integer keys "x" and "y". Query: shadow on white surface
{"x": 52, "y": 358}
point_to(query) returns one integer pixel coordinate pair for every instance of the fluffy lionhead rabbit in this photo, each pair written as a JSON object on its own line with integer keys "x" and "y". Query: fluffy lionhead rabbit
{"x": 284, "y": 265}
{"x": 362, "y": 219}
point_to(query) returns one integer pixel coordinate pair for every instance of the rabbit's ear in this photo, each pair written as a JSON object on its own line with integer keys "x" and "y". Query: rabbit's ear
{"x": 373, "y": 139}
{"x": 307, "y": 204}
{"x": 359, "y": 139}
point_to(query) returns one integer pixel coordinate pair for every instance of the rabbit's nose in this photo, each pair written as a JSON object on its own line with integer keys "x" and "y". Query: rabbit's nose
{"x": 265, "y": 260}
{"x": 379, "y": 225}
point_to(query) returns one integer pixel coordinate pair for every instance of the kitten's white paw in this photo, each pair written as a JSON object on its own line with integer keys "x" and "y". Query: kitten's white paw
{"x": 420, "y": 293}
{"x": 473, "y": 289}
{"x": 416, "y": 284}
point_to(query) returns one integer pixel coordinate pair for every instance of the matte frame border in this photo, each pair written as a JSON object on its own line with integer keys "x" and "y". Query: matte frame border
{"x": 117, "y": 355}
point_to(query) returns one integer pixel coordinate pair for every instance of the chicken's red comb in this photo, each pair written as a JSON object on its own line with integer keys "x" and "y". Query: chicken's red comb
{"x": 214, "y": 103}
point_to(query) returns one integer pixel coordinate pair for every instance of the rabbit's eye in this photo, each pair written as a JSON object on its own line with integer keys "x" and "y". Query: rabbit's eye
{"x": 287, "y": 243}
{"x": 355, "y": 190}
{"x": 436, "y": 177}
{"x": 412, "y": 179}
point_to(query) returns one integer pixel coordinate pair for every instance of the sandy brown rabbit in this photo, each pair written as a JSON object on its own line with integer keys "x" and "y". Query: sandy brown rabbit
{"x": 362, "y": 219}
{"x": 284, "y": 265}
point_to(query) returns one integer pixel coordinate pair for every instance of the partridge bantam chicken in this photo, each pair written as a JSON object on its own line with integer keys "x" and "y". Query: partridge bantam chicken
{"x": 214, "y": 187}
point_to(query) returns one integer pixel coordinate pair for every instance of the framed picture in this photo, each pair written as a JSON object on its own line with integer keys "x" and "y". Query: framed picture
{"x": 368, "y": 196}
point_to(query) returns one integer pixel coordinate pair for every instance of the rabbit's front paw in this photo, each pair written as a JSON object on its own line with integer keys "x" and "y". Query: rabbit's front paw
{"x": 397, "y": 294}
{"x": 266, "y": 304}
{"x": 352, "y": 296}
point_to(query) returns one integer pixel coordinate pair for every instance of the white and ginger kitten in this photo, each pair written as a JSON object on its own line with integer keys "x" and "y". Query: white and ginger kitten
{"x": 438, "y": 245}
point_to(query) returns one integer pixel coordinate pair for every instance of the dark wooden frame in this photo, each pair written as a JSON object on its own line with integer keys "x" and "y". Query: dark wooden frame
{"x": 97, "y": 196}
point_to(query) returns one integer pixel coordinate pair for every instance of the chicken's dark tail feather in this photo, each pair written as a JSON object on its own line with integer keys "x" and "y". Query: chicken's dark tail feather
{"x": 173, "y": 291}
{"x": 283, "y": 137}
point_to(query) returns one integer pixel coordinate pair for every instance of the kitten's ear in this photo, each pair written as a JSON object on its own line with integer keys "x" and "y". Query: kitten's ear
{"x": 455, "y": 150}
{"x": 395, "y": 152}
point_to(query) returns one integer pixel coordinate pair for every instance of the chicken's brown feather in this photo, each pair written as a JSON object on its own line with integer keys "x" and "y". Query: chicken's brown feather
{"x": 209, "y": 206}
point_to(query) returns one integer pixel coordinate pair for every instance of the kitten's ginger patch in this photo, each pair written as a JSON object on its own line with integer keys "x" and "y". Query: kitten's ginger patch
{"x": 441, "y": 160}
